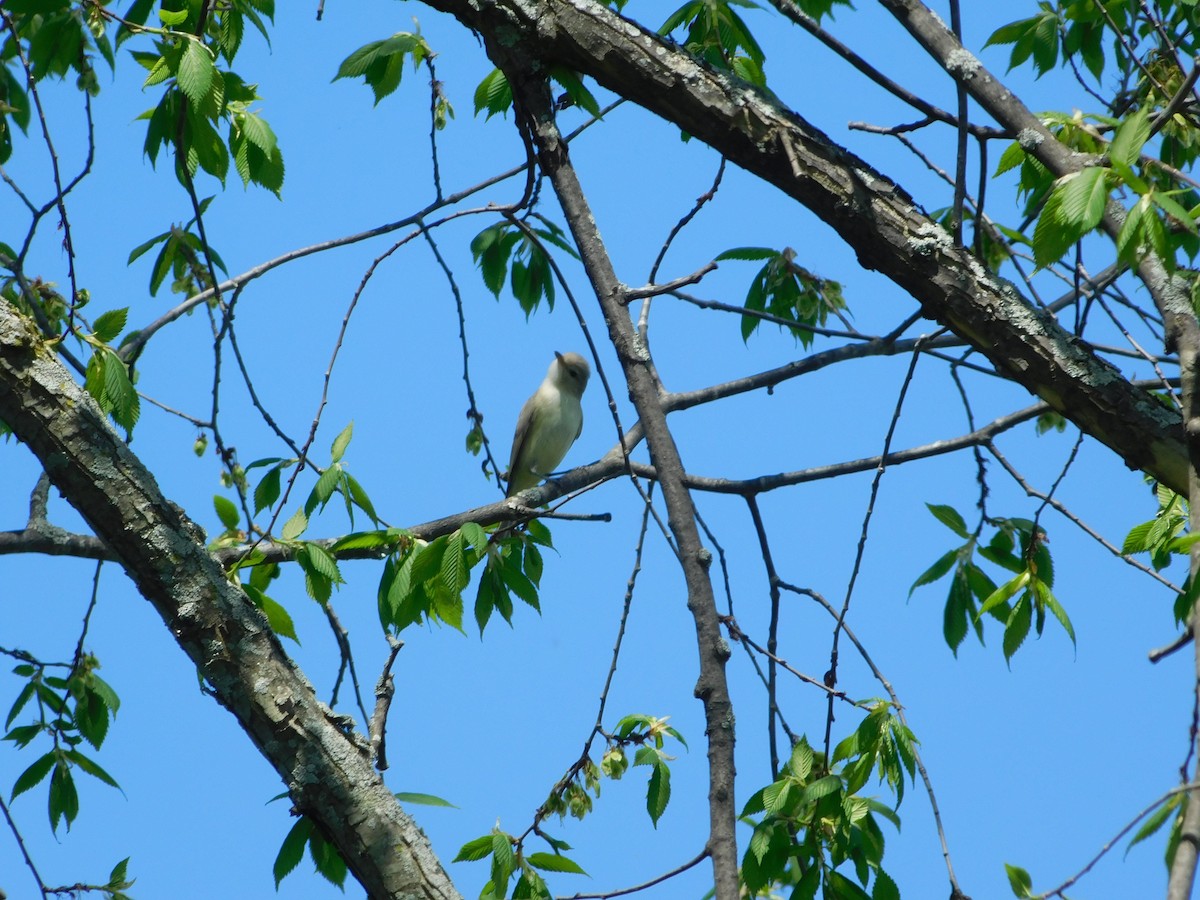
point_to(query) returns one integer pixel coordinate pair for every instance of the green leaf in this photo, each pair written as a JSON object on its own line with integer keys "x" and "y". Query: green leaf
{"x": 109, "y": 325}
{"x": 423, "y": 799}
{"x": 884, "y": 888}
{"x": 341, "y": 442}
{"x": 576, "y": 90}
{"x": 64, "y": 797}
{"x": 493, "y": 94}
{"x": 278, "y": 617}
{"x": 196, "y": 72}
{"x": 1131, "y": 136}
{"x": 227, "y": 512}
{"x": 553, "y": 862}
{"x": 291, "y": 851}
{"x": 949, "y": 517}
{"x": 1085, "y": 195}
{"x": 328, "y": 860}
{"x": 1019, "y": 880}
{"x": 1052, "y": 236}
{"x": 1155, "y": 821}
{"x": 1005, "y": 592}
{"x": 475, "y": 850}
{"x": 658, "y": 792}
{"x": 941, "y": 566}
{"x": 268, "y": 489}
{"x": 1057, "y": 609}
{"x": 1017, "y": 627}
{"x": 33, "y": 775}
{"x": 295, "y": 526}
{"x": 19, "y": 704}
{"x": 171, "y": 18}
{"x": 91, "y": 767}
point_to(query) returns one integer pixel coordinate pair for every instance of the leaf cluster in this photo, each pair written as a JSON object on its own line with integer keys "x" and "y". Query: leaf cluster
{"x": 715, "y": 33}
{"x": 58, "y": 37}
{"x": 68, "y": 712}
{"x": 109, "y": 379}
{"x": 509, "y": 252}
{"x": 1017, "y": 546}
{"x": 1165, "y": 537}
{"x": 813, "y": 821}
{"x": 199, "y": 95}
{"x": 380, "y": 64}
{"x": 792, "y": 295}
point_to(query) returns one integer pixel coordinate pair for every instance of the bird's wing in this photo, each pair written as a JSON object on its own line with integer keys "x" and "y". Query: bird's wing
{"x": 524, "y": 426}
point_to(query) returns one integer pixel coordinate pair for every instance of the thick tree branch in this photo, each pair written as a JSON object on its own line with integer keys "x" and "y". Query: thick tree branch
{"x": 327, "y": 770}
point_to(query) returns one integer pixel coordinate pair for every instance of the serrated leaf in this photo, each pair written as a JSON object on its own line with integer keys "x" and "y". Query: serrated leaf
{"x": 295, "y": 526}
{"x": 940, "y": 567}
{"x": 1017, "y": 627}
{"x": 63, "y": 801}
{"x": 268, "y": 490}
{"x": 493, "y": 94}
{"x": 291, "y": 851}
{"x": 658, "y": 792}
{"x": 553, "y": 862}
{"x": 109, "y": 325}
{"x": 1131, "y": 136}
{"x": 91, "y": 767}
{"x": 949, "y": 517}
{"x": 1085, "y": 195}
{"x": 1052, "y": 236}
{"x": 34, "y": 774}
{"x": 475, "y": 850}
{"x": 1005, "y": 592}
{"x": 19, "y": 704}
{"x": 196, "y": 72}
{"x": 341, "y": 442}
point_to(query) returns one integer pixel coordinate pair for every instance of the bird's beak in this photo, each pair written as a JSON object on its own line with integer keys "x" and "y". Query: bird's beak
{"x": 558, "y": 356}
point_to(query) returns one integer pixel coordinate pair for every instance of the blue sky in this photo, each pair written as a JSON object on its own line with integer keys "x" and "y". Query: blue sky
{"x": 1039, "y": 765}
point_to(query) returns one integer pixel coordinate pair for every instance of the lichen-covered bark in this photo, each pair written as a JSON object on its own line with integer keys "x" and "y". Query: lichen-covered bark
{"x": 325, "y": 766}
{"x": 876, "y": 217}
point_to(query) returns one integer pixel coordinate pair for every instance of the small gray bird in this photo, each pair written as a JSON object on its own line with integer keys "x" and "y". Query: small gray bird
{"x": 549, "y": 423}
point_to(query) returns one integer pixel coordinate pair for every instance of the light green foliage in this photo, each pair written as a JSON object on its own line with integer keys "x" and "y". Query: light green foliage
{"x": 573, "y": 795}
{"x": 506, "y": 244}
{"x": 1162, "y": 218}
{"x": 381, "y": 63}
{"x": 108, "y": 376}
{"x": 1164, "y": 537}
{"x": 58, "y": 38}
{"x": 1035, "y": 37}
{"x": 793, "y": 296}
{"x": 199, "y": 94}
{"x": 183, "y": 256}
{"x": 67, "y": 712}
{"x": 813, "y": 821}
{"x": 1018, "y": 546}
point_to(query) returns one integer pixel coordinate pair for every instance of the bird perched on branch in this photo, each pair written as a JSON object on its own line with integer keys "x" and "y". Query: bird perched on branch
{"x": 549, "y": 423}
